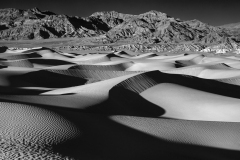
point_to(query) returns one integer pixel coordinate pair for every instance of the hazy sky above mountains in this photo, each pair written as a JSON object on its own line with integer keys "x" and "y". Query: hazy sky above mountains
{"x": 214, "y": 12}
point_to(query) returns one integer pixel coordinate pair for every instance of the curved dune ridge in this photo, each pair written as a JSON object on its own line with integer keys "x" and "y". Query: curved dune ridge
{"x": 31, "y": 132}
{"x": 118, "y": 105}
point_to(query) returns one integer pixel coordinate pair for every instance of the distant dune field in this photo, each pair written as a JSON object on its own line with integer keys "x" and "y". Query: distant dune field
{"x": 118, "y": 105}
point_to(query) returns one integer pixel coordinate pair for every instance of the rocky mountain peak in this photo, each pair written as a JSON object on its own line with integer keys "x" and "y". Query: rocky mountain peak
{"x": 35, "y": 9}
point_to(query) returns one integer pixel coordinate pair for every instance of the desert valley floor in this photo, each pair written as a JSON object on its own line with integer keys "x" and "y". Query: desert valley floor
{"x": 118, "y": 105}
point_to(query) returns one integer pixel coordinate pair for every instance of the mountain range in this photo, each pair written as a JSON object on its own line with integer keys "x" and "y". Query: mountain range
{"x": 152, "y": 27}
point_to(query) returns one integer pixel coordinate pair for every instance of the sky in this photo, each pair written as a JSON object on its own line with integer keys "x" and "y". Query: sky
{"x": 214, "y": 12}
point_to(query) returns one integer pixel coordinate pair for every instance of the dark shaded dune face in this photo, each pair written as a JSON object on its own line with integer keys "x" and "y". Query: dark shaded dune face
{"x": 182, "y": 63}
{"x": 112, "y": 55}
{"x": 49, "y": 62}
{"x": 3, "y": 49}
{"x": 45, "y": 79}
{"x": 134, "y": 105}
{"x": 31, "y": 132}
{"x": 2, "y": 66}
{"x": 178, "y": 65}
{"x": 6, "y": 90}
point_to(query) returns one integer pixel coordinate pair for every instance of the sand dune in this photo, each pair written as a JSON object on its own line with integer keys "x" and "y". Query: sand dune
{"x": 116, "y": 67}
{"x": 118, "y": 105}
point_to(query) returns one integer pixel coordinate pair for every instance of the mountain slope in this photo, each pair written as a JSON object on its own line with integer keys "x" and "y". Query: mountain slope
{"x": 34, "y": 24}
{"x": 152, "y": 27}
{"x": 233, "y": 30}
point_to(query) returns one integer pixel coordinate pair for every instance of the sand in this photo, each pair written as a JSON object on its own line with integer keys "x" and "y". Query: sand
{"x": 118, "y": 105}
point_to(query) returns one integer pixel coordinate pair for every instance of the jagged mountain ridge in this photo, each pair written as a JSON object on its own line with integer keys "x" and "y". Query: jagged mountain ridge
{"x": 18, "y": 24}
{"x": 148, "y": 28}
